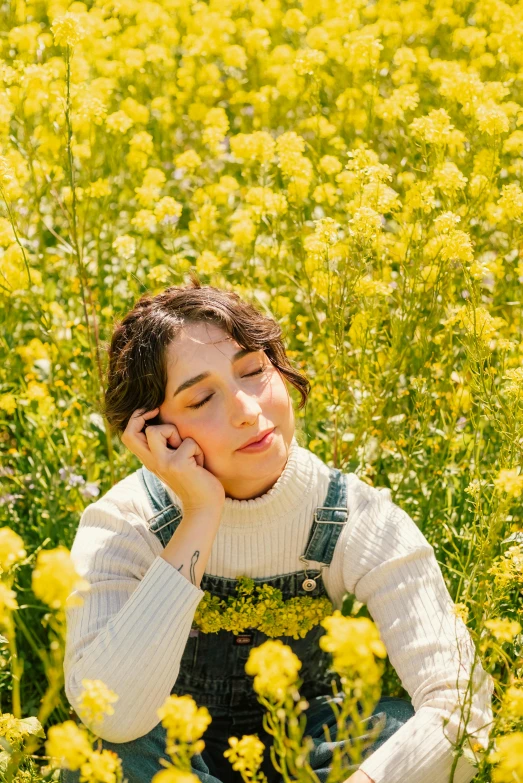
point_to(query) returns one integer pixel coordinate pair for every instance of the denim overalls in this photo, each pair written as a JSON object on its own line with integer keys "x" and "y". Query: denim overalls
{"x": 212, "y": 668}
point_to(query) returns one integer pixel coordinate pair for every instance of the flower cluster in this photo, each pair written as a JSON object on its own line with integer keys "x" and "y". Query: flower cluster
{"x": 266, "y": 611}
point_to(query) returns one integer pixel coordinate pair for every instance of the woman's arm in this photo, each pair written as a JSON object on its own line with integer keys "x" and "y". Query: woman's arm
{"x": 390, "y": 566}
{"x": 135, "y": 618}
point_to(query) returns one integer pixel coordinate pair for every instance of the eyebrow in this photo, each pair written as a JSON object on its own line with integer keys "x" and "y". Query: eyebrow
{"x": 197, "y": 378}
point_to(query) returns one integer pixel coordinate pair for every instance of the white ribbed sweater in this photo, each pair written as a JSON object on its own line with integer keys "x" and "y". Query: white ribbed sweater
{"x": 134, "y": 623}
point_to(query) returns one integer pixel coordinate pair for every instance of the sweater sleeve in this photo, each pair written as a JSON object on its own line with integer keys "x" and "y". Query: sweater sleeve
{"x": 132, "y": 628}
{"x": 390, "y": 566}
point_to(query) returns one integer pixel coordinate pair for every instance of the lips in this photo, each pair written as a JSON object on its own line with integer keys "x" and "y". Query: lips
{"x": 256, "y": 439}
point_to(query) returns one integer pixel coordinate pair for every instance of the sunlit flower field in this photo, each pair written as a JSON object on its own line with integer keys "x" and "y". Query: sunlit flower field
{"x": 355, "y": 169}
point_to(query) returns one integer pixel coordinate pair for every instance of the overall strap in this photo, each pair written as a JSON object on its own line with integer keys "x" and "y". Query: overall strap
{"x": 329, "y": 520}
{"x": 167, "y": 515}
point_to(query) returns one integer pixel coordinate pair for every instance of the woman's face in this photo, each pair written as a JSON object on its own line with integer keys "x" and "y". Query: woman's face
{"x": 240, "y": 397}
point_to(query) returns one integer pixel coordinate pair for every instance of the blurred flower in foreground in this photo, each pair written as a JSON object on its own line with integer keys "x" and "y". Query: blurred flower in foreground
{"x": 95, "y": 702}
{"x": 275, "y": 668}
{"x": 55, "y": 577}
{"x": 11, "y": 548}
{"x": 354, "y": 642}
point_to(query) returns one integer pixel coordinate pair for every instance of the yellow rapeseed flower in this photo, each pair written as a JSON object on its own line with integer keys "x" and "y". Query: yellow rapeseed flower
{"x": 274, "y": 667}
{"x": 508, "y": 756}
{"x": 183, "y": 719}
{"x": 95, "y": 701}
{"x": 503, "y": 629}
{"x": 245, "y": 754}
{"x": 68, "y": 744}
{"x": 510, "y": 481}
{"x": 55, "y": 577}
{"x": 11, "y": 548}
{"x": 354, "y": 642}
{"x": 67, "y": 30}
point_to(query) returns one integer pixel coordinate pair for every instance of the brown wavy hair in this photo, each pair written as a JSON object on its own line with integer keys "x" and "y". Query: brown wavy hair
{"x": 137, "y": 372}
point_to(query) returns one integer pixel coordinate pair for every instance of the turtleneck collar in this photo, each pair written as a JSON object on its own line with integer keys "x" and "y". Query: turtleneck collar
{"x": 286, "y": 496}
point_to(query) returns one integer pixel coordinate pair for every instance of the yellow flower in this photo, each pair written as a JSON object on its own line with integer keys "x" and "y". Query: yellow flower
{"x": 188, "y": 160}
{"x": 8, "y": 403}
{"x": 510, "y": 481}
{"x": 365, "y": 225}
{"x": 68, "y": 744}
{"x": 245, "y": 754}
{"x": 274, "y": 667}
{"x": 183, "y": 719}
{"x": 168, "y": 207}
{"x": 508, "y": 756}
{"x": 207, "y": 263}
{"x": 354, "y": 642}
{"x": 511, "y": 201}
{"x": 174, "y": 775}
{"x": 102, "y": 767}
{"x": 124, "y": 246}
{"x": 491, "y": 119}
{"x": 502, "y": 629}
{"x": 307, "y": 61}
{"x": 54, "y": 578}
{"x": 67, "y": 30}
{"x": 7, "y": 603}
{"x": 255, "y": 147}
{"x": 513, "y": 701}
{"x": 95, "y": 701}
{"x": 11, "y": 548}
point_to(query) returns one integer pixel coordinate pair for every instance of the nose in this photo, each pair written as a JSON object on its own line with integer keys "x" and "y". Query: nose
{"x": 245, "y": 407}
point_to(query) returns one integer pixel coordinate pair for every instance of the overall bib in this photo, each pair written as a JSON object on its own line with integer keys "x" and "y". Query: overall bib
{"x": 212, "y": 669}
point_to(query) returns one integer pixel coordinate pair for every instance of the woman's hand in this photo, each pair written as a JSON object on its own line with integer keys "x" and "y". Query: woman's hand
{"x": 179, "y": 463}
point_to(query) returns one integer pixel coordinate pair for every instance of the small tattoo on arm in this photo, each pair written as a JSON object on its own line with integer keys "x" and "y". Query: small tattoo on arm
{"x": 194, "y": 560}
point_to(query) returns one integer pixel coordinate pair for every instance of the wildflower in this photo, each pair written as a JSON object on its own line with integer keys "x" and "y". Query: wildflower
{"x": 207, "y": 263}
{"x": 307, "y": 61}
{"x": 509, "y": 481}
{"x": 461, "y": 611}
{"x": 67, "y": 30}
{"x": 183, "y": 719}
{"x": 95, "y": 701}
{"x": 73, "y": 479}
{"x": 118, "y": 122}
{"x": 354, "y": 643}
{"x": 124, "y": 246}
{"x": 11, "y": 548}
{"x": 508, "y": 756}
{"x": 144, "y": 220}
{"x": 509, "y": 567}
{"x": 245, "y": 754}
{"x": 511, "y": 201}
{"x": 491, "y": 119}
{"x": 274, "y": 667}
{"x": 55, "y": 577}
{"x": 104, "y": 767}
{"x": 89, "y": 490}
{"x": 515, "y": 375}
{"x": 365, "y": 224}
{"x": 253, "y": 147}
{"x": 503, "y": 629}
{"x": 456, "y": 246}
{"x": 188, "y": 160}
{"x": 513, "y": 701}
{"x": 167, "y": 207}
{"x": 68, "y": 744}
{"x": 7, "y": 602}
{"x": 235, "y": 56}
{"x": 435, "y": 128}
{"x": 174, "y": 775}
{"x": 449, "y": 179}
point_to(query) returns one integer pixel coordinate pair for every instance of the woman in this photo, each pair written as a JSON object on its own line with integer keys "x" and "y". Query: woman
{"x": 195, "y": 376}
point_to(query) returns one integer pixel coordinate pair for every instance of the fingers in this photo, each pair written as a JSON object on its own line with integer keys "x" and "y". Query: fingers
{"x": 133, "y": 437}
{"x": 158, "y": 434}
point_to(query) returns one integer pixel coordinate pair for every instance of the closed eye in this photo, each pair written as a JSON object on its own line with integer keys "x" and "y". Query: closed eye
{"x": 199, "y": 404}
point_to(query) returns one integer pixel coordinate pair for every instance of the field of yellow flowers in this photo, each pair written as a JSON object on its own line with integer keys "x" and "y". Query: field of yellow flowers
{"x": 352, "y": 166}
